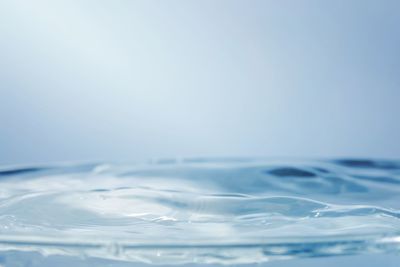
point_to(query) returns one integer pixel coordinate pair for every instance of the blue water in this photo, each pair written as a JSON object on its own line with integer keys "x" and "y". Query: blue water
{"x": 198, "y": 211}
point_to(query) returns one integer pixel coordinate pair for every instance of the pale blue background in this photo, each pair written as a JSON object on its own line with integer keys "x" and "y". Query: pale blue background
{"x": 128, "y": 80}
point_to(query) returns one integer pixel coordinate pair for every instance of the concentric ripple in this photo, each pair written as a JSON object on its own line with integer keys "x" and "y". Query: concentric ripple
{"x": 202, "y": 210}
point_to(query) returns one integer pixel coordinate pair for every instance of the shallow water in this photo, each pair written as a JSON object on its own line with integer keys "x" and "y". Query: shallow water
{"x": 241, "y": 211}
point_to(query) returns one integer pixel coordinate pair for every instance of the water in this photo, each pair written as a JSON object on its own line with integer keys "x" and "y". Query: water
{"x": 241, "y": 211}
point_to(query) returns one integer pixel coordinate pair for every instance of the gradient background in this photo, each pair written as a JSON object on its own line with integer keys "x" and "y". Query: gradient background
{"x": 128, "y": 80}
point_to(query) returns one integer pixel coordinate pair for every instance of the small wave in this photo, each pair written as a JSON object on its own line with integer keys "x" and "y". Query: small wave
{"x": 202, "y": 211}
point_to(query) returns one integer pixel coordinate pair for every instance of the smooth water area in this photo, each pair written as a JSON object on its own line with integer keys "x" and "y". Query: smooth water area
{"x": 202, "y": 211}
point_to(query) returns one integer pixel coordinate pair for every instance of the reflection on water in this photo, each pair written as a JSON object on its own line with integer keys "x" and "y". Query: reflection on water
{"x": 201, "y": 211}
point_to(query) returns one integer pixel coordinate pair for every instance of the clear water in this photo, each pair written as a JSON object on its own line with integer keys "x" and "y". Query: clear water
{"x": 199, "y": 211}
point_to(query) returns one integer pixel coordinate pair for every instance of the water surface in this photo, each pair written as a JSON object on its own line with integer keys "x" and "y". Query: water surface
{"x": 203, "y": 211}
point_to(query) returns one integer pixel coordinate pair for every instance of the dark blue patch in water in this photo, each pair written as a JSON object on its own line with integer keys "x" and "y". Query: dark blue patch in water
{"x": 20, "y": 171}
{"x": 365, "y": 163}
{"x": 292, "y": 172}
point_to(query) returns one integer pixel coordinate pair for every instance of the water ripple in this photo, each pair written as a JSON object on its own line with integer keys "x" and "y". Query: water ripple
{"x": 203, "y": 211}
